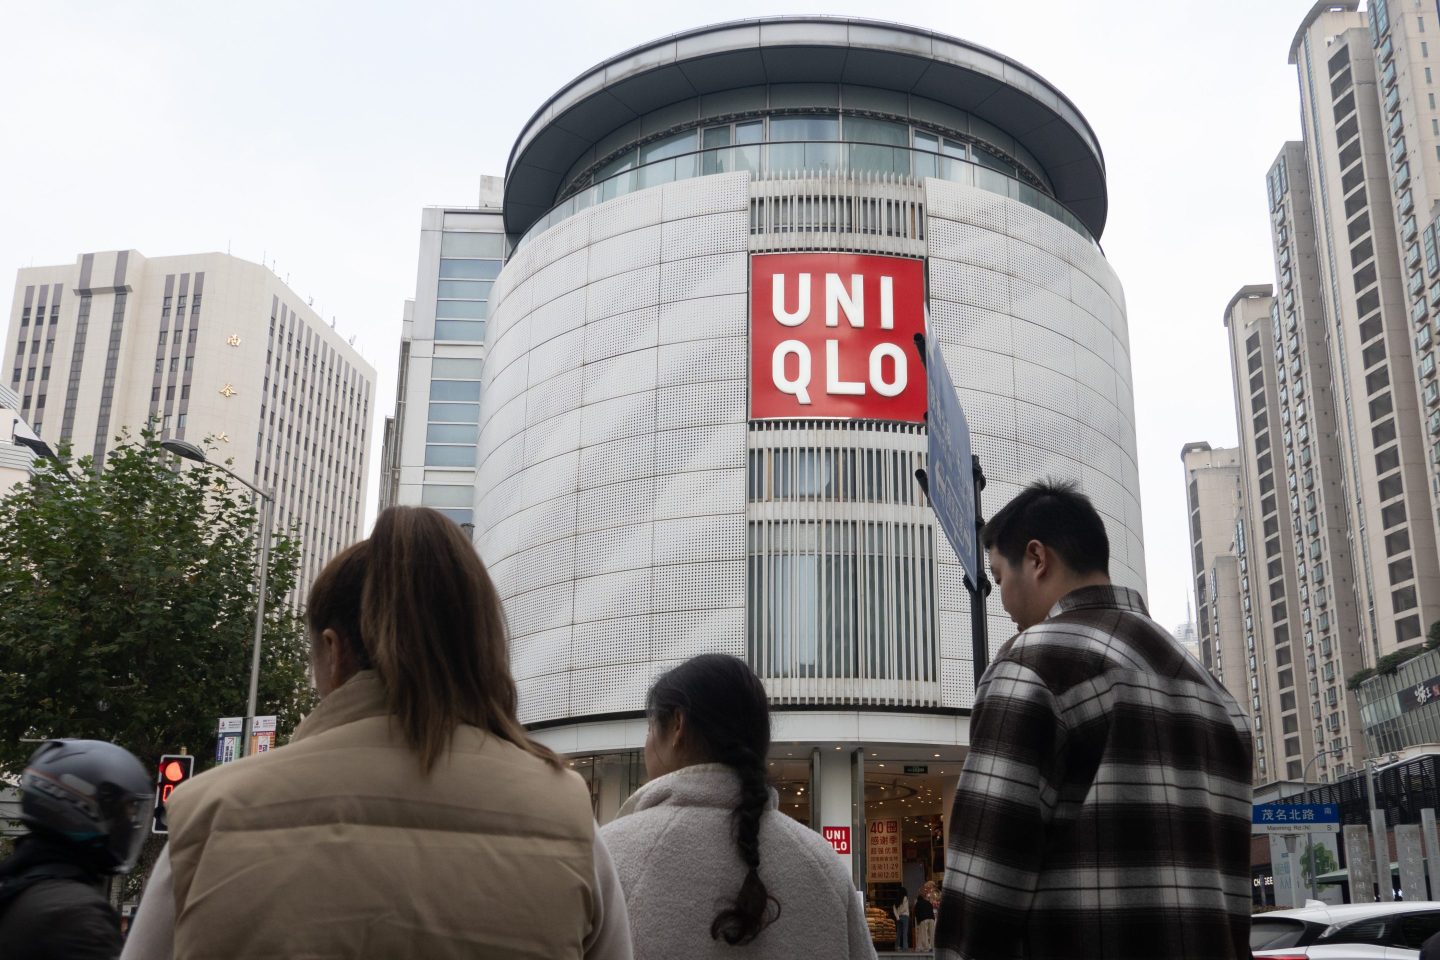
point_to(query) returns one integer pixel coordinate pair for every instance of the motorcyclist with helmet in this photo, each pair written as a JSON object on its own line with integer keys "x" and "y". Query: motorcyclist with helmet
{"x": 84, "y": 803}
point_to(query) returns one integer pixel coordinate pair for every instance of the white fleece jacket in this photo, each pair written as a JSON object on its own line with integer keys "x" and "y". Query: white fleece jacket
{"x": 674, "y": 848}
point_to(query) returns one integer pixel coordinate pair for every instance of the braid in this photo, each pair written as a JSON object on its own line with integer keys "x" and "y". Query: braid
{"x": 743, "y": 922}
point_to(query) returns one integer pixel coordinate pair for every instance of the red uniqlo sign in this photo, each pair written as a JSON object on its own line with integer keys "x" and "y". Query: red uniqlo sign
{"x": 833, "y": 335}
{"x": 839, "y": 838}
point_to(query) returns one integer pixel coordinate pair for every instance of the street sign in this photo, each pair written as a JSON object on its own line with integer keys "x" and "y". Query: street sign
{"x": 227, "y": 741}
{"x": 839, "y": 838}
{"x": 1295, "y": 818}
{"x": 262, "y": 735}
{"x": 951, "y": 469}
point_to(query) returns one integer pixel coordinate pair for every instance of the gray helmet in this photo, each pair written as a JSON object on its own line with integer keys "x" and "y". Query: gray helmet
{"x": 91, "y": 794}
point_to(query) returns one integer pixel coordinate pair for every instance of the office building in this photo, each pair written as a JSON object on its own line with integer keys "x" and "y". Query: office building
{"x": 428, "y": 451}
{"x": 215, "y": 350}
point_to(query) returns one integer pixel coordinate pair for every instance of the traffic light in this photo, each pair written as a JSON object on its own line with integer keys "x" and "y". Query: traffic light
{"x": 175, "y": 769}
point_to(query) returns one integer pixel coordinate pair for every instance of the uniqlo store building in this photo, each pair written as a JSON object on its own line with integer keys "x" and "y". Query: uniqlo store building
{"x": 702, "y": 407}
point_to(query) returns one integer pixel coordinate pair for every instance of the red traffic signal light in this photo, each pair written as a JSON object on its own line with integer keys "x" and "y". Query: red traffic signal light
{"x": 174, "y": 769}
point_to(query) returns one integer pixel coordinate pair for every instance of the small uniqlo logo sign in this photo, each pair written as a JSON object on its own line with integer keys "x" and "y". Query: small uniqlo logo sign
{"x": 839, "y": 838}
{"x": 833, "y": 335}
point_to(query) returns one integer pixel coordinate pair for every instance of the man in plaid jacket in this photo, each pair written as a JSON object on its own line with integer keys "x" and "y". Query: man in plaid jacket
{"x": 1104, "y": 806}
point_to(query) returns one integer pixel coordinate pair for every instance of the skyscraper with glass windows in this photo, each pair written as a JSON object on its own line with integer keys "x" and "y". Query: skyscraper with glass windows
{"x": 428, "y": 454}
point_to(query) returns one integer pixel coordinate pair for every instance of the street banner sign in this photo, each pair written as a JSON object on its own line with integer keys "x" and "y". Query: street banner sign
{"x": 839, "y": 838}
{"x": 882, "y": 851}
{"x": 1295, "y": 818}
{"x": 832, "y": 335}
{"x": 227, "y": 741}
{"x": 950, "y": 470}
{"x": 262, "y": 735}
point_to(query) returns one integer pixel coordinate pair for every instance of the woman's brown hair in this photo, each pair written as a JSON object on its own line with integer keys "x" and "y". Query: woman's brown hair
{"x": 415, "y": 602}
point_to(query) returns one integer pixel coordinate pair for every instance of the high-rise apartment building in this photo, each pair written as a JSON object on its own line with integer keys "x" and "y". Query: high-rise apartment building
{"x": 1326, "y": 605}
{"x": 1407, "y": 74}
{"x": 1215, "y": 494}
{"x": 1264, "y": 564}
{"x": 428, "y": 453}
{"x": 1365, "y": 304}
{"x": 213, "y": 348}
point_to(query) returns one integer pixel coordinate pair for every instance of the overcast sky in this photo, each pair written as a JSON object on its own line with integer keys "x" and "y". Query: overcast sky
{"x": 312, "y": 133}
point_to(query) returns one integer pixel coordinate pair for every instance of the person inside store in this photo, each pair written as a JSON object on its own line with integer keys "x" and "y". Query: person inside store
{"x": 900, "y": 910}
{"x": 705, "y": 830}
{"x": 925, "y": 917}
{"x": 410, "y": 815}
{"x": 84, "y": 804}
{"x": 1103, "y": 809}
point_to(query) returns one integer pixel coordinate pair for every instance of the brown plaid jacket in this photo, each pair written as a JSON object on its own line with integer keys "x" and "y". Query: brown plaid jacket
{"x": 1104, "y": 807}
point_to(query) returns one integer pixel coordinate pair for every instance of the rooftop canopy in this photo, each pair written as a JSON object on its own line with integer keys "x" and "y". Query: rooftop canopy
{"x": 749, "y": 53}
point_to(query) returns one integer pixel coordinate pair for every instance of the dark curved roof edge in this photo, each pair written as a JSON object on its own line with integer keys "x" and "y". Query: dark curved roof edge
{"x": 874, "y": 53}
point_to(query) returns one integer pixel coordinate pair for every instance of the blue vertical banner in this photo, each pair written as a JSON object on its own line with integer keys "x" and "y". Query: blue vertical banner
{"x": 951, "y": 468}
{"x": 227, "y": 742}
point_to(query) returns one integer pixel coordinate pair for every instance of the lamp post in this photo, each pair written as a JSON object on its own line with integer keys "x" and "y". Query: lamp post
{"x": 190, "y": 451}
{"x": 1309, "y": 838}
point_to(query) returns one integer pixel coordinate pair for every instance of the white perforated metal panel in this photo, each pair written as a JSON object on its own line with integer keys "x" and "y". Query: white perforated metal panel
{"x": 624, "y": 333}
{"x": 623, "y": 293}
{"x": 617, "y": 505}
{"x": 700, "y": 404}
{"x": 705, "y": 318}
{"x": 704, "y": 235}
{"x": 708, "y": 276}
{"x": 707, "y": 195}
{"x": 614, "y": 419}
{"x": 699, "y": 361}
{"x": 625, "y": 252}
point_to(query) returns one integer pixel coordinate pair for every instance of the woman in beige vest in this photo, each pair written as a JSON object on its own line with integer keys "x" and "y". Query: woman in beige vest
{"x": 410, "y": 815}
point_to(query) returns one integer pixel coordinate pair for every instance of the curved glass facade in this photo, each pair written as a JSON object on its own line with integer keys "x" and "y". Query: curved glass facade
{"x": 813, "y": 142}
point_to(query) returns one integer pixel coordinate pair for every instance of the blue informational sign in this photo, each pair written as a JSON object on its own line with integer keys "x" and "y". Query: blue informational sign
{"x": 1296, "y": 818}
{"x": 951, "y": 473}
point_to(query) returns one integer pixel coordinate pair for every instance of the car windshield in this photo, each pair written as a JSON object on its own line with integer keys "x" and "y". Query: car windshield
{"x": 1267, "y": 933}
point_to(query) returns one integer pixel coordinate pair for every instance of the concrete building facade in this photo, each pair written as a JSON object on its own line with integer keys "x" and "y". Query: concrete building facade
{"x": 653, "y": 482}
{"x": 1265, "y": 566}
{"x": 1372, "y": 349}
{"x": 1406, "y": 89}
{"x": 1327, "y": 605}
{"x": 16, "y": 459}
{"x": 1214, "y": 492}
{"x": 213, "y": 348}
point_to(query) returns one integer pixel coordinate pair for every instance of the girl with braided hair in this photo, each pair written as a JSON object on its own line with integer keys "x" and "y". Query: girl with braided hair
{"x": 709, "y": 866}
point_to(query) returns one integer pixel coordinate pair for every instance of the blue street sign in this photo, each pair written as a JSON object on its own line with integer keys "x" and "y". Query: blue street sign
{"x": 950, "y": 470}
{"x": 1296, "y": 818}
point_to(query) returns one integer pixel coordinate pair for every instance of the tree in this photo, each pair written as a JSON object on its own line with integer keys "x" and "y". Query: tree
{"x": 127, "y": 605}
{"x": 1324, "y": 862}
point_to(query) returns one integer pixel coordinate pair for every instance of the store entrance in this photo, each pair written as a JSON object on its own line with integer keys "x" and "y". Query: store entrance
{"x": 907, "y": 805}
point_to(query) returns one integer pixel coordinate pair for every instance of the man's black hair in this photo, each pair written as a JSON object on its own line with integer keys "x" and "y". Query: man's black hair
{"x": 1059, "y": 516}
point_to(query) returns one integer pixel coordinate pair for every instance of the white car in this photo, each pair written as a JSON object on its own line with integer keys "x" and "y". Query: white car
{"x": 1351, "y": 931}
